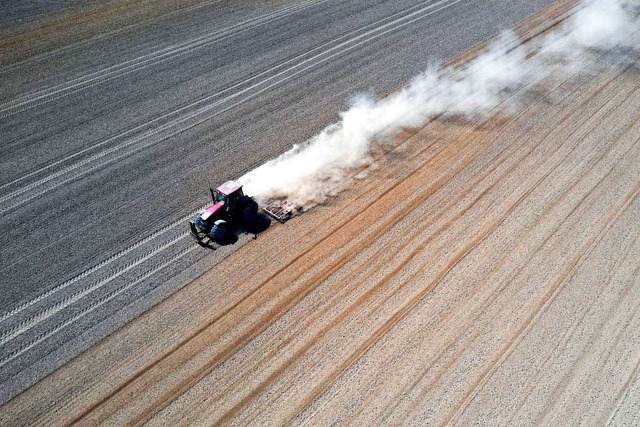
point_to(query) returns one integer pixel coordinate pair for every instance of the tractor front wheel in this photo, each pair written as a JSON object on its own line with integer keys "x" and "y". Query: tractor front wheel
{"x": 219, "y": 230}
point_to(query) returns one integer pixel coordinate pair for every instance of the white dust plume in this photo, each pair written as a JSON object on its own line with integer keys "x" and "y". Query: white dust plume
{"x": 319, "y": 168}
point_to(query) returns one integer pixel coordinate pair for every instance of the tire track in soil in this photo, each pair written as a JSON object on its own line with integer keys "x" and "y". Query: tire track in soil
{"x": 396, "y": 270}
{"x": 449, "y": 319}
{"x": 567, "y": 114}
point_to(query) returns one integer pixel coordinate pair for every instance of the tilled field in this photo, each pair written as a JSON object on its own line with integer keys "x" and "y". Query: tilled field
{"x": 478, "y": 275}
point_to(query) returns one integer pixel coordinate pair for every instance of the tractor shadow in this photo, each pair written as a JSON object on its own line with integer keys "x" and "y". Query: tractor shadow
{"x": 256, "y": 225}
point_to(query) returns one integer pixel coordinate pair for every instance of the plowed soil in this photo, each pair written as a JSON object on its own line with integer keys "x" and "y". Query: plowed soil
{"x": 480, "y": 274}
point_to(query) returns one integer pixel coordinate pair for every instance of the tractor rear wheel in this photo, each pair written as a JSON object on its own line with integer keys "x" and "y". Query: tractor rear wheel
{"x": 250, "y": 212}
{"x": 243, "y": 202}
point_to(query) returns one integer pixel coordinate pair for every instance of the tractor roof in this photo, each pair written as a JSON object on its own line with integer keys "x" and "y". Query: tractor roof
{"x": 229, "y": 187}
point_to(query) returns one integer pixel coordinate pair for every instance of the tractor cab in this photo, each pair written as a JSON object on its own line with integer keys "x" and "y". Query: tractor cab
{"x": 228, "y": 194}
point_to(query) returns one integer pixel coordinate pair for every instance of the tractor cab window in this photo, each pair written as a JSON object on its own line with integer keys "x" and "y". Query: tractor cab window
{"x": 220, "y": 198}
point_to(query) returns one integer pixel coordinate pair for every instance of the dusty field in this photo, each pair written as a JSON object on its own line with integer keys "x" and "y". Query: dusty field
{"x": 480, "y": 275}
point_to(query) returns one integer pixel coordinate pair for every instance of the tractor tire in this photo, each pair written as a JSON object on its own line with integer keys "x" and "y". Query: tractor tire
{"x": 242, "y": 202}
{"x": 219, "y": 230}
{"x": 249, "y": 213}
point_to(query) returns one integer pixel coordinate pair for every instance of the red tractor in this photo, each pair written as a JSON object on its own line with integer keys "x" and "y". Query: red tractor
{"x": 231, "y": 208}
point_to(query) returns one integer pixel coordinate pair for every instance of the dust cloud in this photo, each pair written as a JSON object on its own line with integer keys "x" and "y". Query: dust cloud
{"x": 321, "y": 167}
